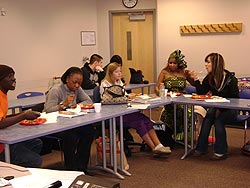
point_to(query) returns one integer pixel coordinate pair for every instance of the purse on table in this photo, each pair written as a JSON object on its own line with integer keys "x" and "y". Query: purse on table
{"x": 114, "y": 95}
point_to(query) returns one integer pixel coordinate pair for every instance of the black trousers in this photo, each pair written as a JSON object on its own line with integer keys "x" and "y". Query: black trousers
{"x": 76, "y": 145}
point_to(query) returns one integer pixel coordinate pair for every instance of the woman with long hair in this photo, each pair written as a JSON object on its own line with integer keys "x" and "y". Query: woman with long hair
{"x": 219, "y": 82}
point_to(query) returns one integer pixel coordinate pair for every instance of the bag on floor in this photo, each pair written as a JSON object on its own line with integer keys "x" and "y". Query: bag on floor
{"x": 118, "y": 153}
{"x": 164, "y": 134}
{"x": 246, "y": 148}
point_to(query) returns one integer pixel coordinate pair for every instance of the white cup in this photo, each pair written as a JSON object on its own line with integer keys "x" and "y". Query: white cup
{"x": 166, "y": 92}
{"x": 98, "y": 107}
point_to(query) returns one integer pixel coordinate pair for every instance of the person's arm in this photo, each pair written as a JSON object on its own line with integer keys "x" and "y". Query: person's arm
{"x": 8, "y": 121}
{"x": 233, "y": 89}
{"x": 159, "y": 81}
{"x": 101, "y": 76}
{"x": 203, "y": 88}
{"x": 52, "y": 101}
{"x": 87, "y": 83}
{"x": 188, "y": 77}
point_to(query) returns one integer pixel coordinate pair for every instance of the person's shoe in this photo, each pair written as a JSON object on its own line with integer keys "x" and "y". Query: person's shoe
{"x": 217, "y": 157}
{"x": 162, "y": 150}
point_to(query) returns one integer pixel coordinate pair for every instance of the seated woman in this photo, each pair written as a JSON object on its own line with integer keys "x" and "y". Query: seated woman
{"x": 174, "y": 77}
{"x": 76, "y": 142}
{"x": 137, "y": 120}
{"x": 219, "y": 82}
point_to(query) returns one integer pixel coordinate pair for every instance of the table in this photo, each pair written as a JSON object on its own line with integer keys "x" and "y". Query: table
{"x": 18, "y": 133}
{"x": 238, "y": 104}
{"x": 127, "y": 87}
{"x": 29, "y": 177}
{"x": 142, "y": 86}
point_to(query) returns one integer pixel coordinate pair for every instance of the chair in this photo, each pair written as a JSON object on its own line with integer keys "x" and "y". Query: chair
{"x": 39, "y": 108}
{"x": 190, "y": 89}
{"x": 244, "y": 94}
{"x": 29, "y": 94}
{"x": 128, "y": 138}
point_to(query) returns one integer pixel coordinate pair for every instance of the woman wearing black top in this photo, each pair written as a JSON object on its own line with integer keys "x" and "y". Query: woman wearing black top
{"x": 219, "y": 82}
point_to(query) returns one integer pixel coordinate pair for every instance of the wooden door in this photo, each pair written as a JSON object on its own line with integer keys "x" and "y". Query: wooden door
{"x": 134, "y": 42}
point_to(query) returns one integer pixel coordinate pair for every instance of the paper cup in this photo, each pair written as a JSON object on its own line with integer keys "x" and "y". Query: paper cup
{"x": 98, "y": 107}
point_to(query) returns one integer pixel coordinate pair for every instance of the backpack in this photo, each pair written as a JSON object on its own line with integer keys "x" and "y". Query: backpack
{"x": 246, "y": 148}
{"x": 136, "y": 76}
{"x": 164, "y": 134}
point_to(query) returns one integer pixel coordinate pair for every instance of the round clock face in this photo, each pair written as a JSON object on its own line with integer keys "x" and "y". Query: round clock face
{"x": 129, "y": 3}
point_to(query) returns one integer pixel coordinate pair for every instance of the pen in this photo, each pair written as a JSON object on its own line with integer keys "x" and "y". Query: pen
{"x": 56, "y": 184}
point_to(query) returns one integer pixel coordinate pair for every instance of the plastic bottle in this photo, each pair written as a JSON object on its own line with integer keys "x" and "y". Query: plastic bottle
{"x": 162, "y": 91}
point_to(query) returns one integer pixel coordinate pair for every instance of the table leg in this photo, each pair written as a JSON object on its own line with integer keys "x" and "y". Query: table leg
{"x": 122, "y": 149}
{"x": 186, "y": 133}
{"x": 7, "y": 153}
{"x": 142, "y": 90}
{"x": 112, "y": 150}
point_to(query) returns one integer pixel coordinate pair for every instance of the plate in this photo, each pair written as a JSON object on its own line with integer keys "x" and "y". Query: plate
{"x": 201, "y": 97}
{"x": 36, "y": 121}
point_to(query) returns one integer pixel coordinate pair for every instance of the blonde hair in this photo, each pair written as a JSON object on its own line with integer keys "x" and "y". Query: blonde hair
{"x": 110, "y": 69}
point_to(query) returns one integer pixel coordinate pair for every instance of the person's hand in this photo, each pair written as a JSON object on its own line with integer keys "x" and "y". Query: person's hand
{"x": 69, "y": 100}
{"x": 73, "y": 106}
{"x": 98, "y": 68}
{"x": 131, "y": 95}
{"x": 30, "y": 115}
{"x": 193, "y": 75}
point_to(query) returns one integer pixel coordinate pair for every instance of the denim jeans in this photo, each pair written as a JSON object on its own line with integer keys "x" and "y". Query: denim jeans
{"x": 25, "y": 153}
{"x": 225, "y": 116}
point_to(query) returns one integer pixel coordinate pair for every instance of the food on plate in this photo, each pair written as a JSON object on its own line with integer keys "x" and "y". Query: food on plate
{"x": 87, "y": 106}
{"x": 201, "y": 97}
{"x": 66, "y": 112}
{"x": 175, "y": 93}
{"x": 36, "y": 121}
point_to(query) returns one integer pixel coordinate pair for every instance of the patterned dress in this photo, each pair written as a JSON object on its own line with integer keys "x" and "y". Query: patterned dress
{"x": 176, "y": 84}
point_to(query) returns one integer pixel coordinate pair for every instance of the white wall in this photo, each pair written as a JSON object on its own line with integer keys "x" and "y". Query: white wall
{"x": 40, "y": 39}
{"x": 233, "y": 47}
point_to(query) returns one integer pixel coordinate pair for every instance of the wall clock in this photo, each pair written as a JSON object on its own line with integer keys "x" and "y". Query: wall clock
{"x": 129, "y": 3}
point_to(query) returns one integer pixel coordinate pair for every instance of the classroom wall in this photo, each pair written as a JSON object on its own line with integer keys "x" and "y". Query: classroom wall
{"x": 40, "y": 39}
{"x": 233, "y": 46}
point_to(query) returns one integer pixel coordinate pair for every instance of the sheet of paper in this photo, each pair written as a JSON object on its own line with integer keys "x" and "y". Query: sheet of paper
{"x": 139, "y": 106}
{"x": 41, "y": 178}
{"x": 217, "y": 100}
{"x": 50, "y": 117}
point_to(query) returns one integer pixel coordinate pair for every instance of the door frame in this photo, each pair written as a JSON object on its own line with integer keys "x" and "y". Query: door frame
{"x": 112, "y": 12}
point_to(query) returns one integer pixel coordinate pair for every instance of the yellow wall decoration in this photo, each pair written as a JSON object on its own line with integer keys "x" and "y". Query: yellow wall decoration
{"x": 211, "y": 28}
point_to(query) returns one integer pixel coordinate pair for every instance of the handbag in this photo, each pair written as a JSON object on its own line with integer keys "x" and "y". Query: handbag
{"x": 114, "y": 95}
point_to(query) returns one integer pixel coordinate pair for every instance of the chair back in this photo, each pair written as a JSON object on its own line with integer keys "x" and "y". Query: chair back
{"x": 29, "y": 94}
{"x": 96, "y": 95}
{"x": 244, "y": 93}
{"x": 190, "y": 89}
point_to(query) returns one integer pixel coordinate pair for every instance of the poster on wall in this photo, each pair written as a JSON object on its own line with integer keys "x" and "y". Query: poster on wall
{"x": 88, "y": 38}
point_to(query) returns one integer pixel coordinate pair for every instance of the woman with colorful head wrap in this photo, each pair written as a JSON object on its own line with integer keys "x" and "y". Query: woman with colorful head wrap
{"x": 174, "y": 77}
